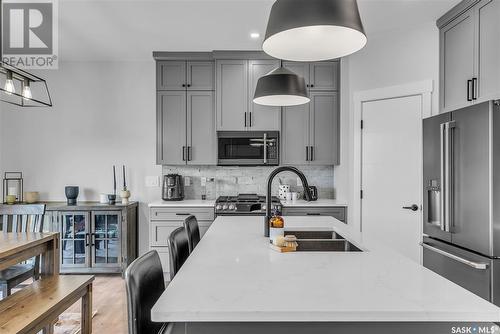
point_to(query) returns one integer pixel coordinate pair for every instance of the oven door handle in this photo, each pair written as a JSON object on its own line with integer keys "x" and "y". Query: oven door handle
{"x": 265, "y": 148}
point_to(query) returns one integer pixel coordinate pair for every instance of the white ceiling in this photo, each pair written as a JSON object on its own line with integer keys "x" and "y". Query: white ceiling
{"x": 132, "y": 29}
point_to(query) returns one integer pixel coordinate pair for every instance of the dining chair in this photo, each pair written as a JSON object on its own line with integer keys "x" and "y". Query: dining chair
{"x": 144, "y": 283}
{"x": 20, "y": 218}
{"x": 178, "y": 250}
{"x": 193, "y": 232}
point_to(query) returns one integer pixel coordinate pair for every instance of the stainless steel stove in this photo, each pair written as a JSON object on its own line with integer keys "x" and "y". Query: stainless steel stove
{"x": 244, "y": 205}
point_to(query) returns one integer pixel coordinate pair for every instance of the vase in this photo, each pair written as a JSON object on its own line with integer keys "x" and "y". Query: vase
{"x": 71, "y": 194}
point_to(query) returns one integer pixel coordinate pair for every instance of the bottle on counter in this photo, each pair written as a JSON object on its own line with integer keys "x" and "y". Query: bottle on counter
{"x": 276, "y": 227}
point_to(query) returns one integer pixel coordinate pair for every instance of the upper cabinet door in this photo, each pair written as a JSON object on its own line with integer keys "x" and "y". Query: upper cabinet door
{"x": 301, "y": 69}
{"x": 457, "y": 61}
{"x": 200, "y": 75}
{"x": 295, "y": 135}
{"x": 171, "y": 122}
{"x": 201, "y": 128}
{"x": 232, "y": 94}
{"x": 324, "y": 75}
{"x": 261, "y": 117}
{"x": 488, "y": 48}
{"x": 171, "y": 75}
{"x": 324, "y": 128}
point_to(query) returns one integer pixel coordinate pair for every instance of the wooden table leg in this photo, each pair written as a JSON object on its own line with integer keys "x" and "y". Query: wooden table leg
{"x": 50, "y": 259}
{"x": 87, "y": 311}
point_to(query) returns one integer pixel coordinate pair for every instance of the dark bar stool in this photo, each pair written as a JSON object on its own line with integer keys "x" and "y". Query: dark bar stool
{"x": 145, "y": 284}
{"x": 193, "y": 232}
{"x": 178, "y": 250}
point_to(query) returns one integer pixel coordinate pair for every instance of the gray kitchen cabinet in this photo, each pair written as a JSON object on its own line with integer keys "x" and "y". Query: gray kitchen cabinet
{"x": 95, "y": 238}
{"x": 324, "y": 128}
{"x": 171, "y": 127}
{"x": 232, "y": 94}
{"x": 310, "y": 133}
{"x": 324, "y": 75}
{"x": 338, "y": 212}
{"x": 186, "y": 129}
{"x": 201, "y": 141}
{"x": 171, "y": 75}
{"x": 295, "y": 135}
{"x": 320, "y": 76}
{"x": 488, "y": 48}
{"x": 184, "y": 75}
{"x": 163, "y": 220}
{"x": 469, "y": 54}
{"x": 457, "y": 59}
{"x": 261, "y": 117}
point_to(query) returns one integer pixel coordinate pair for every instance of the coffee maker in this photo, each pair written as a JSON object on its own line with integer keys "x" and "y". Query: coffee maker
{"x": 173, "y": 187}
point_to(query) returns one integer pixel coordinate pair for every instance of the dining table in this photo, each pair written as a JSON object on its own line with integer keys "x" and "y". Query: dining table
{"x": 19, "y": 247}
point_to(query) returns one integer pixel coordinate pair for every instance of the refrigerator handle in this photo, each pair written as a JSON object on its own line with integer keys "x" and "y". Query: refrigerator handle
{"x": 442, "y": 211}
{"x": 475, "y": 265}
{"x": 448, "y": 171}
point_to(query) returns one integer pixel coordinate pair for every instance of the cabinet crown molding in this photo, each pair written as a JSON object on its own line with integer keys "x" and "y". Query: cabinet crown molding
{"x": 456, "y": 11}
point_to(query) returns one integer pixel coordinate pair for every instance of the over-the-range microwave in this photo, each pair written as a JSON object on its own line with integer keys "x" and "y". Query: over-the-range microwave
{"x": 248, "y": 148}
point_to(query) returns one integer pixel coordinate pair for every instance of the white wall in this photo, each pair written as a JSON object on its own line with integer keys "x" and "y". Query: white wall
{"x": 103, "y": 114}
{"x": 390, "y": 58}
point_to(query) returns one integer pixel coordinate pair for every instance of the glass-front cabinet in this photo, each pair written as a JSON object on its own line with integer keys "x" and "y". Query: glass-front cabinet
{"x": 90, "y": 240}
{"x": 75, "y": 241}
{"x": 106, "y": 239}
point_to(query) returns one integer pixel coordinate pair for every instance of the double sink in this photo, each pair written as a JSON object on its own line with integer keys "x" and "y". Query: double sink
{"x": 322, "y": 241}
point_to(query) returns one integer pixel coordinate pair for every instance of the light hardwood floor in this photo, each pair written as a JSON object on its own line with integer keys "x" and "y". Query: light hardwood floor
{"x": 110, "y": 301}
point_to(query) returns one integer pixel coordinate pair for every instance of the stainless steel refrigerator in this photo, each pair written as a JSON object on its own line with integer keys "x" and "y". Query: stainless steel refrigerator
{"x": 462, "y": 197}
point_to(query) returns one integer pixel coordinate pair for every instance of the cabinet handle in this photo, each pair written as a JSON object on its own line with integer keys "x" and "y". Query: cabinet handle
{"x": 183, "y": 85}
{"x": 250, "y": 118}
{"x": 312, "y": 153}
{"x": 474, "y": 88}
{"x": 189, "y": 85}
{"x": 312, "y": 85}
{"x": 182, "y": 214}
{"x": 245, "y": 119}
{"x": 307, "y": 153}
{"x": 469, "y": 83}
{"x": 183, "y": 153}
{"x": 313, "y": 214}
{"x": 189, "y": 153}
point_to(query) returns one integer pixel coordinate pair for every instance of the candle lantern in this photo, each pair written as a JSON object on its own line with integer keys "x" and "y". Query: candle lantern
{"x": 13, "y": 186}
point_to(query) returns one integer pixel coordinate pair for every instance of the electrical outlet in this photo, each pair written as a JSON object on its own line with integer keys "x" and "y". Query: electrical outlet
{"x": 299, "y": 182}
{"x": 187, "y": 181}
{"x": 152, "y": 181}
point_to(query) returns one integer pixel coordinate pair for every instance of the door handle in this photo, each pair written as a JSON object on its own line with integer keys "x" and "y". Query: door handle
{"x": 412, "y": 207}
{"x": 475, "y": 265}
{"x": 92, "y": 239}
{"x": 87, "y": 239}
{"x": 474, "y": 88}
{"x": 265, "y": 148}
{"x": 469, "y": 84}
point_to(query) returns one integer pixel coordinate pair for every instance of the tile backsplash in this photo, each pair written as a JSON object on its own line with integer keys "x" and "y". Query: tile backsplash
{"x": 240, "y": 180}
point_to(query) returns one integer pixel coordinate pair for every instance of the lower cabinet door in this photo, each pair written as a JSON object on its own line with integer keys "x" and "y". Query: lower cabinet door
{"x": 75, "y": 239}
{"x": 106, "y": 239}
{"x": 165, "y": 261}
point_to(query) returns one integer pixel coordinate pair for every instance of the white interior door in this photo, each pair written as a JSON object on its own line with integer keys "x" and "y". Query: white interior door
{"x": 391, "y": 173}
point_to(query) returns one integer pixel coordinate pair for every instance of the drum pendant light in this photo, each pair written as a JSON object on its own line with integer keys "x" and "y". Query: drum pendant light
{"x": 314, "y": 30}
{"x": 281, "y": 88}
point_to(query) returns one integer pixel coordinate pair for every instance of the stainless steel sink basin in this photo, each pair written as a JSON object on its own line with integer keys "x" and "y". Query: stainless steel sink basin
{"x": 314, "y": 234}
{"x": 325, "y": 245}
{"x": 322, "y": 241}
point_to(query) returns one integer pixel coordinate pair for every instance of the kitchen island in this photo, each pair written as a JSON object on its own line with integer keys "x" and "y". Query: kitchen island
{"x": 233, "y": 282}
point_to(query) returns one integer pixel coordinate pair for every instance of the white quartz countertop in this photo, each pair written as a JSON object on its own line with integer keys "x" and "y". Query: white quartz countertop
{"x": 233, "y": 276}
{"x": 186, "y": 203}
{"x": 319, "y": 203}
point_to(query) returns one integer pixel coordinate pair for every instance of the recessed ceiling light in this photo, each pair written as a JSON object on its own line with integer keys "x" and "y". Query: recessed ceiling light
{"x": 254, "y": 35}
